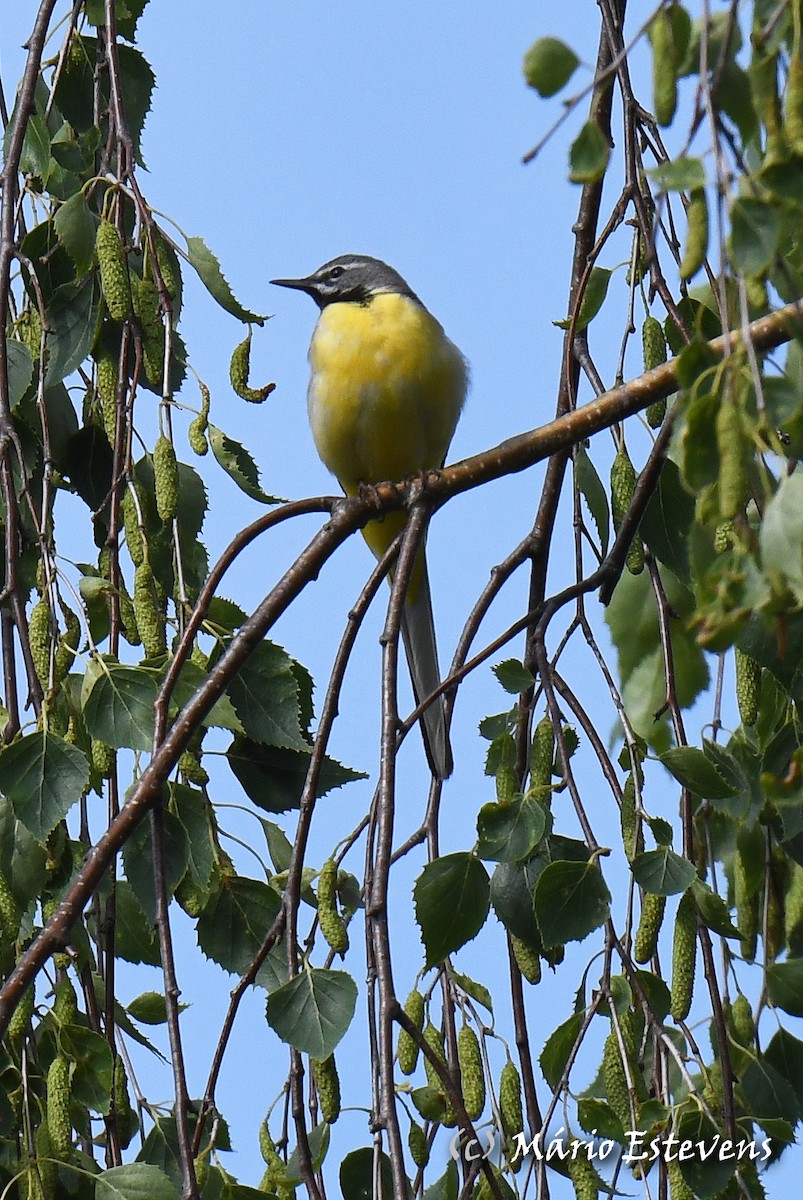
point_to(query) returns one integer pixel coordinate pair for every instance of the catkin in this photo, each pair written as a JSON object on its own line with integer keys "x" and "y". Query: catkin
{"x": 114, "y": 279}
{"x": 333, "y": 927}
{"x": 696, "y": 235}
{"x": 407, "y": 1046}
{"x": 623, "y": 485}
{"x": 58, "y": 1106}
{"x": 472, "y": 1075}
{"x": 684, "y": 955}
{"x": 165, "y": 473}
{"x": 652, "y": 914}
{"x": 327, "y": 1084}
{"x": 748, "y": 686}
{"x": 239, "y": 370}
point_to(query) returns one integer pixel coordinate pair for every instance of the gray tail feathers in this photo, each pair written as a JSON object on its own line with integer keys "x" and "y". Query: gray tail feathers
{"x": 418, "y": 632}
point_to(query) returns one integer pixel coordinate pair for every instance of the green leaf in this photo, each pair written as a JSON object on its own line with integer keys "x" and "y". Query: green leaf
{"x": 35, "y": 157}
{"x": 557, "y": 1049}
{"x": 594, "y": 494}
{"x": 358, "y": 1173}
{"x": 571, "y": 900}
{"x": 477, "y": 991}
{"x": 22, "y": 858}
{"x": 549, "y": 65}
{"x": 599, "y": 1116}
{"x": 274, "y": 778}
{"x": 706, "y": 1177}
{"x": 452, "y": 899}
{"x": 318, "y": 1139}
{"x": 194, "y": 813}
{"x": 754, "y": 235}
{"x": 238, "y": 464}
{"x": 781, "y": 532}
{"x": 92, "y": 1078}
{"x": 680, "y": 175}
{"x": 43, "y": 777}
{"x": 149, "y": 1008}
{"x": 76, "y": 226}
{"x": 118, "y": 703}
{"x": 135, "y": 938}
{"x": 589, "y": 154}
{"x": 72, "y": 318}
{"x": 20, "y": 371}
{"x": 593, "y": 298}
{"x": 663, "y": 872}
{"x": 510, "y": 832}
{"x": 138, "y": 860}
{"x": 667, "y": 520}
{"x": 134, "y": 1181}
{"x": 713, "y": 910}
{"x": 191, "y": 677}
{"x": 313, "y": 1011}
{"x": 512, "y": 890}
{"x": 513, "y": 676}
{"x": 785, "y": 1053}
{"x": 211, "y": 276}
{"x": 693, "y": 770}
{"x": 265, "y": 695}
{"x": 785, "y": 986}
{"x": 448, "y": 1186}
{"x": 768, "y": 1094}
{"x": 234, "y": 922}
{"x": 137, "y": 82}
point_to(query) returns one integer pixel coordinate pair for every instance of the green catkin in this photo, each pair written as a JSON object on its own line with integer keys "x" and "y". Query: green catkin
{"x": 107, "y": 390}
{"x": 133, "y": 533}
{"x": 28, "y": 330}
{"x": 623, "y": 485}
{"x": 65, "y": 1006}
{"x": 9, "y": 913}
{"x": 113, "y": 271}
{"x": 21, "y": 1017}
{"x": 742, "y": 1023}
{"x": 696, "y": 235}
{"x": 239, "y": 370}
{"x": 510, "y": 1106}
{"x": 472, "y": 1075}
{"x": 678, "y": 1188}
{"x": 417, "y": 1144}
{"x": 615, "y": 1080}
{"x": 102, "y": 757}
{"x": 652, "y": 914}
{"x": 542, "y": 753}
{"x": 333, "y": 927}
{"x": 746, "y": 901}
{"x": 733, "y": 447}
{"x": 68, "y": 644}
{"x": 150, "y": 621}
{"x": 664, "y": 70}
{"x": 748, "y": 686}
{"x": 128, "y": 618}
{"x": 407, "y": 1047}
{"x": 327, "y": 1084}
{"x": 191, "y": 768}
{"x": 43, "y": 1182}
{"x": 196, "y": 436}
{"x": 632, "y": 837}
{"x": 723, "y": 537}
{"x": 584, "y": 1178}
{"x": 684, "y": 956}
{"x": 58, "y": 1106}
{"x": 654, "y": 348}
{"x": 165, "y": 263}
{"x": 434, "y": 1040}
{"x": 793, "y": 105}
{"x": 793, "y": 910}
{"x": 527, "y": 960}
{"x": 507, "y": 783}
{"x": 40, "y": 638}
{"x": 127, "y": 1122}
{"x": 165, "y": 472}
{"x": 148, "y": 312}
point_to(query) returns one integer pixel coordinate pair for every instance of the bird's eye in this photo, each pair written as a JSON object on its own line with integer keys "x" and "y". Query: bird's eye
{"x": 334, "y": 274}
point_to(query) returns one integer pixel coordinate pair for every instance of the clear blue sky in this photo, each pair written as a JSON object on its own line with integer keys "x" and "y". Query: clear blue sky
{"x": 287, "y": 134}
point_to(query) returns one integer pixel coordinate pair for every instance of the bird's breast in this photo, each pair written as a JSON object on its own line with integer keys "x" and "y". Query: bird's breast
{"x": 386, "y": 389}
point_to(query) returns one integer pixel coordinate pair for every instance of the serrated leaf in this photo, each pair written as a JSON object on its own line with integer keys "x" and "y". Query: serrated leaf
{"x": 318, "y": 1141}
{"x": 548, "y": 65}
{"x": 513, "y": 676}
{"x": 667, "y": 520}
{"x": 785, "y": 986}
{"x": 755, "y": 230}
{"x": 43, "y": 777}
{"x": 477, "y": 991}
{"x": 452, "y": 898}
{"x": 118, "y": 704}
{"x": 594, "y": 494}
{"x": 589, "y": 154}
{"x": 781, "y": 532}
{"x": 20, "y": 371}
{"x": 313, "y": 1011}
{"x": 571, "y": 899}
{"x": 134, "y": 1181}
{"x": 35, "y": 157}
{"x": 557, "y": 1049}
{"x": 149, "y": 1008}
{"x": 135, "y": 939}
{"x": 680, "y": 175}
{"x": 663, "y": 872}
{"x": 208, "y": 268}
{"x": 447, "y": 1187}
{"x": 137, "y": 82}
{"x": 510, "y": 832}
{"x": 76, "y": 227}
{"x": 220, "y": 716}
{"x": 768, "y": 1094}
{"x": 138, "y": 860}
{"x": 265, "y": 696}
{"x": 92, "y": 1078}
{"x": 72, "y": 318}
{"x": 693, "y": 770}
{"x": 234, "y": 922}
{"x": 238, "y": 464}
{"x": 273, "y": 778}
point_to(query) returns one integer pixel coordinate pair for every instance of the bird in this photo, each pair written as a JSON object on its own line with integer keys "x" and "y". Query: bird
{"x": 386, "y": 391}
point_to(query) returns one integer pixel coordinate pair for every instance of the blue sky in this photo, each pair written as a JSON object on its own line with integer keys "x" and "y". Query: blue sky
{"x": 287, "y": 134}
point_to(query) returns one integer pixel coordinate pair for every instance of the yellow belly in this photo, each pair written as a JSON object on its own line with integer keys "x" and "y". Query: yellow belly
{"x": 386, "y": 390}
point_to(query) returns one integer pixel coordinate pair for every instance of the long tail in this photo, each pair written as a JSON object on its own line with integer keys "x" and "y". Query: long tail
{"x": 418, "y": 632}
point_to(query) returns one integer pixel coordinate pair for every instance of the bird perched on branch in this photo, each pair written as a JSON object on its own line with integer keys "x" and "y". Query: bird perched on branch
{"x": 385, "y": 394}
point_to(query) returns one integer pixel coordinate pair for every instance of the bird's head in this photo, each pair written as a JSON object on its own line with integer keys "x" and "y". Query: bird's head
{"x": 353, "y": 278}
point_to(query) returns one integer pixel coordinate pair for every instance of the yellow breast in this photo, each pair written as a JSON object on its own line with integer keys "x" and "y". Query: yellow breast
{"x": 386, "y": 390}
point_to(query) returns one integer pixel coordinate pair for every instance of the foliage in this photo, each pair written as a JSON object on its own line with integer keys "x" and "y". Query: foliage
{"x": 136, "y": 666}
